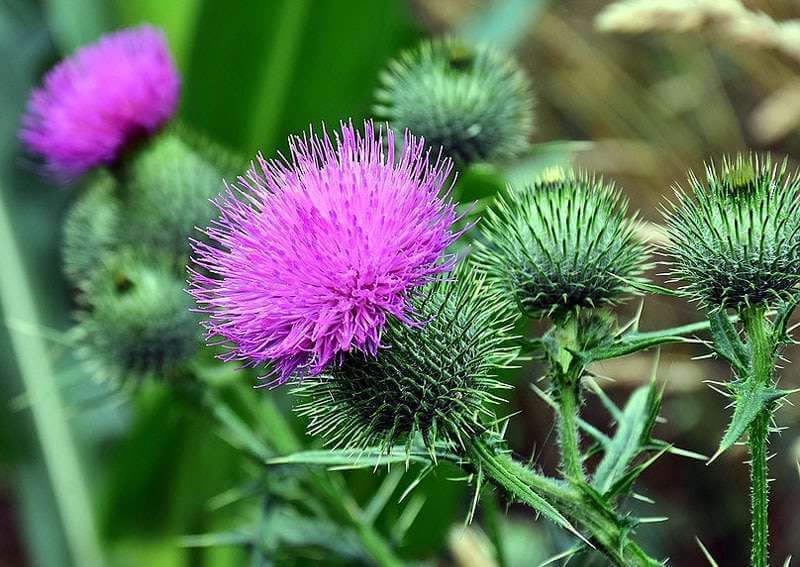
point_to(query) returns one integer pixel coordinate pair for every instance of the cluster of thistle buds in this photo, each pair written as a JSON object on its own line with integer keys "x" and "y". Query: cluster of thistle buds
{"x": 334, "y": 270}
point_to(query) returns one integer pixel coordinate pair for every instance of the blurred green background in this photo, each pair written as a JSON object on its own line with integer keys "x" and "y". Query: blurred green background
{"x": 652, "y": 106}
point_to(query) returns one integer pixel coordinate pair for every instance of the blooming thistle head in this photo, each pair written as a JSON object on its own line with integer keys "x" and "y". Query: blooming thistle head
{"x": 434, "y": 382}
{"x": 560, "y": 244}
{"x": 140, "y": 322}
{"x": 94, "y": 104}
{"x": 473, "y": 101}
{"x": 737, "y": 242}
{"x": 311, "y": 256}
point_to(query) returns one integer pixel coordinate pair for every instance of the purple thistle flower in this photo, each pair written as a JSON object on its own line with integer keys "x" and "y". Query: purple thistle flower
{"x": 311, "y": 255}
{"x": 93, "y": 104}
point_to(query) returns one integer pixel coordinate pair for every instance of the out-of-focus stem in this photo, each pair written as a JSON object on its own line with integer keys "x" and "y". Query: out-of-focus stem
{"x": 50, "y": 421}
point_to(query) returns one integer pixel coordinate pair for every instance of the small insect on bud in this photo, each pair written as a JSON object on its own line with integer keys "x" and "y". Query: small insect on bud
{"x": 561, "y": 244}
{"x": 433, "y": 381}
{"x": 473, "y": 101}
{"x": 140, "y": 323}
{"x": 737, "y": 242}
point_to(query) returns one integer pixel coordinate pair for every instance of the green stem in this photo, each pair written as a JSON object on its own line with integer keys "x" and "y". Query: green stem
{"x": 762, "y": 368}
{"x": 759, "y": 489}
{"x": 565, "y": 375}
{"x": 604, "y": 529}
{"x": 571, "y": 460}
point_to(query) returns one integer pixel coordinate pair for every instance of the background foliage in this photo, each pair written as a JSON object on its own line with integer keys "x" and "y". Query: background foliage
{"x": 650, "y": 106}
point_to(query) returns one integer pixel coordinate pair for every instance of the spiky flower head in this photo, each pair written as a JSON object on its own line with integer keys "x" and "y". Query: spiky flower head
{"x": 434, "y": 382}
{"x": 737, "y": 242}
{"x": 311, "y": 256}
{"x": 91, "y": 230}
{"x": 94, "y": 104}
{"x": 167, "y": 192}
{"x": 140, "y": 323}
{"x": 473, "y": 101}
{"x": 560, "y": 244}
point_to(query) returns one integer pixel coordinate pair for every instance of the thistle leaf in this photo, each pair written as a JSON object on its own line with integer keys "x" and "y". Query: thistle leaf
{"x": 782, "y": 316}
{"x": 751, "y": 399}
{"x": 727, "y": 343}
{"x": 357, "y": 459}
{"x": 632, "y": 429}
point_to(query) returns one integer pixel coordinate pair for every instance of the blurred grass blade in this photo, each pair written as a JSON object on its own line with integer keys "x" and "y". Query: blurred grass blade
{"x": 41, "y": 385}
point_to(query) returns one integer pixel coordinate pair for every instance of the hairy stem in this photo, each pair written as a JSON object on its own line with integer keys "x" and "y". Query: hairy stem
{"x": 565, "y": 375}
{"x": 601, "y": 526}
{"x": 762, "y": 368}
{"x": 571, "y": 460}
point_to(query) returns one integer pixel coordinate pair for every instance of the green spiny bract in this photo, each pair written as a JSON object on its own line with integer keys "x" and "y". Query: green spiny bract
{"x": 90, "y": 230}
{"x": 472, "y": 101}
{"x": 561, "y": 244}
{"x": 737, "y": 242}
{"x": 140, "y": 323}
{"x": 166, "y": 192}
{"x": 432, "y": 381}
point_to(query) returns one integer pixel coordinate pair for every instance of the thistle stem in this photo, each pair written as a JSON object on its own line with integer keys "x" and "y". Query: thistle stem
{"x": 571, "y": 461}
{"x": 565, "y": 375}
{"x": 604, "y": 529}
{"x": 762, "y": 367}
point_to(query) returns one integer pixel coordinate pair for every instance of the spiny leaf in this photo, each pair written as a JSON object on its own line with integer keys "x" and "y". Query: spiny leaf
{"x": 651, "y": 288}
{"x": 751, "y": 399}
{"x": 625, "y": 443}
{"x": 727, "y": 343}
{"x": 782, "y": 316}
{"x": 623, "y": 484}
{"x": 356, "y": 459}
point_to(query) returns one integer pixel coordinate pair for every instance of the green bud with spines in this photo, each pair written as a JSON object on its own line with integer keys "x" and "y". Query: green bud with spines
{"x": 736, "y": 242}
{"x": 91, "y": 230}
{"x": 433, "y": 381}
{"x": 561, "y": 244}
{"x": 165, "y": 194}
{"x": 140, "y": 322}
{"x": 471, "y": 100}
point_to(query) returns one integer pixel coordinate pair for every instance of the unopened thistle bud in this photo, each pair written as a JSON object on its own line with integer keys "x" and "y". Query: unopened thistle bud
{"x": 561, "y": 244}
{"x": 140, "y": 323}
{"x": 434, "y": 381}
{"x": 473, "y": 101}
{"x": 90, "y": 230}
{"x": 167, "y": 192}
{"x": 737, "y": 242}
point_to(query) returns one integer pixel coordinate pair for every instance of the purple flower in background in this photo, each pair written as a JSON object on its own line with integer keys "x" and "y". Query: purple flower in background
{"x": 94, "y": 103}
{"x": 311, "y": 255}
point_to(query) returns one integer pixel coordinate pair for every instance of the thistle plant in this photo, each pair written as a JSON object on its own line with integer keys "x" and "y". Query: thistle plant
{"x": 394, "y": 360}
{"x": 734, "y": 243}
{"x": 472, "y": 101}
